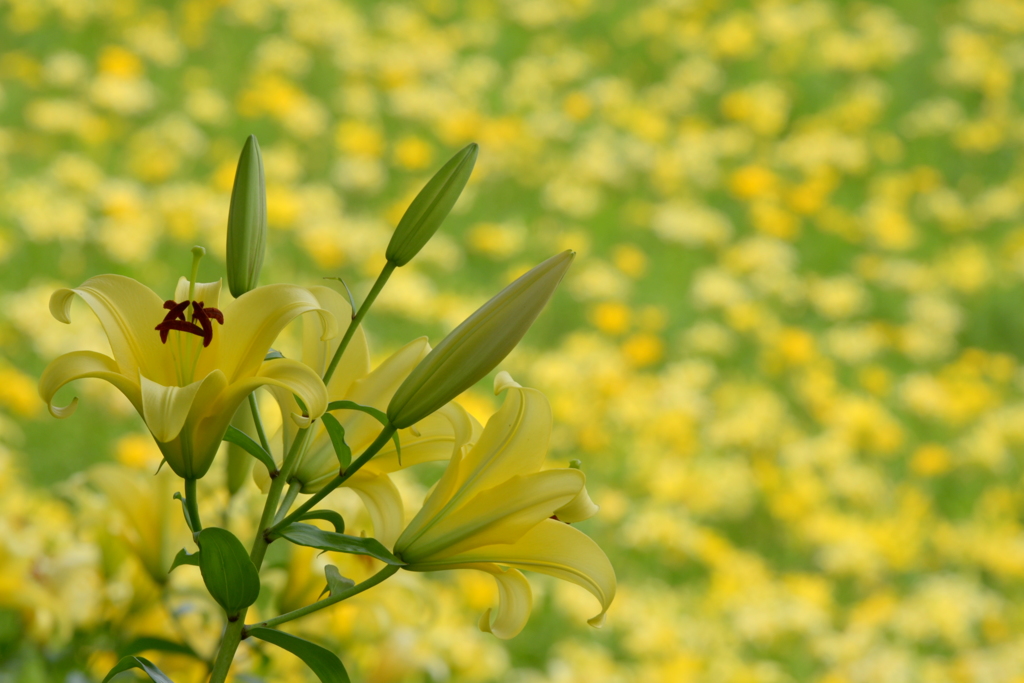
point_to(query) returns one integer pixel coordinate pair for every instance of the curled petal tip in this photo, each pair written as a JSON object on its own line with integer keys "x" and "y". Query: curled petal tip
{"x": 503, "y": 381}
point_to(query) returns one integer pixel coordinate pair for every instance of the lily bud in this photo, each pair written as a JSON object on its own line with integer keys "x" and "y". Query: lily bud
{"x": 431, "y": 206}
{"x": 247, "y": 221}
{"x": 476, "y": 346}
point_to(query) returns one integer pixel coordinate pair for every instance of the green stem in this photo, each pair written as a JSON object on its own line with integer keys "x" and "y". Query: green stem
{"x": 294, "y": 486}
{"x": 255, "y": 409}
{"x": 228, "y": 646}
{"x": 233, "y": 632}
{"x": 385, "y": 273}
{"x": 385, "y": 573}
{"x": 192, "y": 503}
{"x": 382, "y": 439}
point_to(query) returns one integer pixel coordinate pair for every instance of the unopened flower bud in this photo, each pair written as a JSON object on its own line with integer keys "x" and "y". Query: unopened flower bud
{"x": 247, "y": 221}
{"x": 476, "y": 346}
{"x": 431, "y": 206}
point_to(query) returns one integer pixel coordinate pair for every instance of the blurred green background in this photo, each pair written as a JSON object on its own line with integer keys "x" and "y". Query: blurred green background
{"x": 788, "y": 353}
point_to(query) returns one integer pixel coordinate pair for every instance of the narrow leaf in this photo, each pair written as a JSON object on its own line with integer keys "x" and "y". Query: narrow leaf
{"x": 337, "y": 434}
{"x": 375, "y": 413}
{"x": 324, "y": 663}
{"x": 184, "y": 510}
{"x": 159, "y": 644}
{"x": 351, "y": 299}
{"x": 328, "y": 516}
{"x": 147, "y": 666}
{"x": 246, "y": 442}
{"x": 312, "y": 537}
{"x": 228, "y": 573}
{"x": 184, "y": 557}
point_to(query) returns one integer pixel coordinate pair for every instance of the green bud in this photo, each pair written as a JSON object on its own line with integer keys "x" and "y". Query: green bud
{"x": 431, "y": 206}
{"x": 476, "y": 346}
{"x": 247, "y": 221}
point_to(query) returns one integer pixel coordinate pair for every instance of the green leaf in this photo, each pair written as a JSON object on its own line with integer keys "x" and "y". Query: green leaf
{"x": 337, "y": 434}
{"x": 375, "y": 413}
{"x": 312, "y": 537}
{"x": 273, "y": 354}
{"x": 336, "y": 583}
{"x": 324, "y": 663}
{"x": 184, "y": 510}
{"x": 184, "y": 557}
{"x": 328, "y": 516}
{"x": 159, "y": 644}
{"x": 228, "y": 573}
{"x": 147, "y": 666}
{"x": 241, "y": 439}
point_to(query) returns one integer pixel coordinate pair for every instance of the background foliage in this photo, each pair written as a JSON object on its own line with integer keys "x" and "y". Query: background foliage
{"x": 788, "y": 354}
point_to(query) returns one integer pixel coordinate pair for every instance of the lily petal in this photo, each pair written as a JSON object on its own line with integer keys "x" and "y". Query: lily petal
{"x": 578, "y": 509}
{"x": 375, "y": 389}
{"x": 290, "y": 375}
{"x": 384, "y": 503}
{"x": 435, "y": 437}
{"x": 80, "y": 365}
{"x": 515, "y": 601}
{"x": 498, "y": 515}
{"x": 251, "y": 324}
{"x": 165, "y": 408}
{"x": 128, "y": 311}
{"x": 317, "y": 353}
{"x": 551, "y": 548}
{"x": 208, "y": 293}
{"x": 515, "y": 440}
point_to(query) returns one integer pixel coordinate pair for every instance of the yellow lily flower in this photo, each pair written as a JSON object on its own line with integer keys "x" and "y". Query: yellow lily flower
{"x": 151, "y": 517}
{"x": 187, "y": 377}
{"x": 494, "y": 510}
{"x": 433, "y": 438}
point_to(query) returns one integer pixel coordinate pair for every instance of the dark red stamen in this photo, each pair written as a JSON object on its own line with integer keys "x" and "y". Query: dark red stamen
{"x": 166, "y": 326}
{"x": 203, "y": 316}
{"x": 175, "y": 320}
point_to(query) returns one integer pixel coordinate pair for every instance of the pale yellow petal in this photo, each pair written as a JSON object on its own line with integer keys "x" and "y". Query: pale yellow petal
{"x": 289, "y": 375}
{"x": 551, "y": 548}
{"x": 515, "y": 441}
{"x": 251, "y": 324}
{"x": 377, "y": 388}
{"x": 515, "y": 601}
{"x": 503, "y": 381}
{"x": 498, "y": 515}
{"x": 129, "y": 312}
{"x": 206, "y": 292}
{"x": 437, "y": 498}
{"x": 80, "y": 365}
{"x": 165, "y": 408}
{"x": 433, "y": 438}
{"x": 384, "y": 503}
{"x": 578, "y": 509}
{"x": 317, "y": 353}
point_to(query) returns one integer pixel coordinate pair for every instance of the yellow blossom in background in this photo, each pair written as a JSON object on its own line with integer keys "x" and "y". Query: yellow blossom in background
{"x": 788, "y": 355}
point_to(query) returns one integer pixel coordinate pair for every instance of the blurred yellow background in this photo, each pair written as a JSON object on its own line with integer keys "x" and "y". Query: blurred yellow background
{"x": 788, "y": 353}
